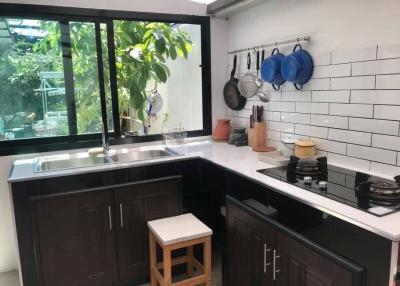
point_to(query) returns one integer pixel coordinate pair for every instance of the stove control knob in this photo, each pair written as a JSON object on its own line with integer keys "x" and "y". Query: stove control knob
{"x": 307, "y": 180}
{"x": 322, "y": 185}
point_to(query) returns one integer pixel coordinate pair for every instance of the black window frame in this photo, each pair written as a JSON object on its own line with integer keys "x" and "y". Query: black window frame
{"x": 102, "y": 16}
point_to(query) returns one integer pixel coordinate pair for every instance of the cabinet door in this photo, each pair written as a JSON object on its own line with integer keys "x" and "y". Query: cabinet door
{"x": 135, "y": 205}
{"x": 250, "y": 244}
{"x": 299, "y": 264}
{"x": 76, "y": 240}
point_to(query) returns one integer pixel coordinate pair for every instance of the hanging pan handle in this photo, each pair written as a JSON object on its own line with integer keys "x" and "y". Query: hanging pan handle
{"x": 298, "y": 86}
{"x": 297, "y": 46}
{"x": 234, "y": 67}
{"x": 262, "y": 55}
{"x": 248, "y": 61}
{"x": 258, "y": 61}
{"x": 275, "y": 50}
{"x": 276, "y": 86}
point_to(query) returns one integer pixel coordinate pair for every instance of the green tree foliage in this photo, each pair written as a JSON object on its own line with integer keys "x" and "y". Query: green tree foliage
{"x": 142, "y": 49}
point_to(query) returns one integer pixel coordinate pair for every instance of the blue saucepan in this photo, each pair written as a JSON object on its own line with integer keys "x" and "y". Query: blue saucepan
{"x": 297, "y": 67}
{"x": 271, "y": 69}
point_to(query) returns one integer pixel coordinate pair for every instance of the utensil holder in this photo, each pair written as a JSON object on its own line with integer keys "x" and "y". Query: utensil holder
{"x": 258, "y": 135}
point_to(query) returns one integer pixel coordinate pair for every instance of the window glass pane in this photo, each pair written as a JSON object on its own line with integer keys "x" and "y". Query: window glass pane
{"x": 106, "y": 69}
{"x": 35, "y": 92}
{"x": 158, "y": 66}
{"x": 32, "y": 95}
{"x": 86, "y": 76}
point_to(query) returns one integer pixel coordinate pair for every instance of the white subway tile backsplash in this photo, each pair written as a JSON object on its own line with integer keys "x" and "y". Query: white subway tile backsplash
{"x": 391, "y": 81}
{"x": 282, "y": 106}
{"x": 350, "y": 107}
{"x": 348, "y": 161}
{"x": 387, "y": 112}
{"x": 239, "y": 121}
{"x": 317, "y": 108}
{"x": 375, "y": 96}
{"x": 309, "y": 130}
{"x": 388, "y": 170}
{"x": 331, "y": 96}
{"x": 374, "y": 126}
{"x": 356, "y": 55}
{"x": 296, "y": 96}
{"x": 274, "y": 135}
{"x": 376, "y": 67}
{"x": 329, "y": 121}
{"x": 386, "y": 142}
{"x": 355, "y": 137}
{"x": 280, "y": 126}
{"x": 389, "y": 51}
{"x": 274, "y": 125}
{"x": 330, "y": 146}
{"x": 332, "y": 71}
{"x": 318, "y": 84}
{"x": 274, "y": 116}
{"x": 296, "y": 118}
{"x": 356, "y": 110}
{"x": 322, "y": 59}
{"x": 359, "y": 82}
{"x": 373, "y": 154}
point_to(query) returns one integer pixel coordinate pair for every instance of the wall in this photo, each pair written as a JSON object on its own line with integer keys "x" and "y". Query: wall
{"x": 8, "y": 260}
{"x": 351, "y": 106}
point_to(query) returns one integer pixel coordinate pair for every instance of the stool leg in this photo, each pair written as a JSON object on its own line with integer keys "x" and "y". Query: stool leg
{"x": 189, "y": 265}
{"x": 167, "y": 266}
{"x": 153, "y": 258}
{"x": 207, "y": 260}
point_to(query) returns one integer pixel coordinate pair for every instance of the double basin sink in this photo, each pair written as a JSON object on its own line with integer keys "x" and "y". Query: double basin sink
{"x": 79, "y": 160}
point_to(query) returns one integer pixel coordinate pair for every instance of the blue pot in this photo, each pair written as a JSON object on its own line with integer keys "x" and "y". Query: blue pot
{"x": 271, "y": 69}
{"x": 297, "y": 67}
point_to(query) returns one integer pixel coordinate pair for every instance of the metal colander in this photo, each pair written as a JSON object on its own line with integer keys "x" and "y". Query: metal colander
{"x": 247, "y": 85}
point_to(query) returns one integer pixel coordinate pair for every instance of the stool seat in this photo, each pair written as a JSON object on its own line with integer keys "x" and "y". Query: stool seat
{"x": 177, "y": 229}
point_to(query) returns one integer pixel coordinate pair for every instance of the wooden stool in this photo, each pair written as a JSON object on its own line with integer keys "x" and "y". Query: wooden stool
{"x": 173, "y": 233}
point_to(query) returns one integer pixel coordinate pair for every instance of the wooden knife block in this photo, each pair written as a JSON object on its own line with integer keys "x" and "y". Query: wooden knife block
{"x": 258, "y": 134}
{"x": 258, "y": 137}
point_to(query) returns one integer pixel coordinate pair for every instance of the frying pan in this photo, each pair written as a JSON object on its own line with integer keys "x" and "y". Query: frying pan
{"x": 232, "y": 96}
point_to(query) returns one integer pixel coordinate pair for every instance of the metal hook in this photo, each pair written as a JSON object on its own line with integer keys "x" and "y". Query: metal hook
{"x": 276, "y": 45}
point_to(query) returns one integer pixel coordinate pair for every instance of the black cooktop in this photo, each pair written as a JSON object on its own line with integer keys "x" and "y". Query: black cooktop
{"x": 375, "y": 195}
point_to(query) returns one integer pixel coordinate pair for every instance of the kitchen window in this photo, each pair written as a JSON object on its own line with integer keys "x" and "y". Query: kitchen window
{"x": 67, "y": 72}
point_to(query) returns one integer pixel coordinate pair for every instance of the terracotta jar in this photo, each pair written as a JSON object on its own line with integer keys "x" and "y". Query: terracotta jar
{"x": 222, "y": 130}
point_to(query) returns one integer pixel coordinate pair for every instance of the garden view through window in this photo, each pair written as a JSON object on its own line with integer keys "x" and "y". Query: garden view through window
{"x": 50, "y": 83}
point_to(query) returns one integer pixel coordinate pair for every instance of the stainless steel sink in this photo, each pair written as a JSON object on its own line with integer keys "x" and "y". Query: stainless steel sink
{"x": 139, "y": 155}
{"x": 70, "y": 161}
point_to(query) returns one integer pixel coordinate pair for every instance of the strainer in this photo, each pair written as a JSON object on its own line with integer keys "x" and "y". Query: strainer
{"x": 248, "y": 83}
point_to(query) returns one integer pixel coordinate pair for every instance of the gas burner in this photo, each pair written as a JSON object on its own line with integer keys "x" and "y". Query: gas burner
{"x": 302, "y": 168}
{"x": 385, "y": 187}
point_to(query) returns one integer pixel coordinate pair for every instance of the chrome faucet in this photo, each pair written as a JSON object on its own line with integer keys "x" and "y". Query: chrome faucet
{"x": 104, "y": 137}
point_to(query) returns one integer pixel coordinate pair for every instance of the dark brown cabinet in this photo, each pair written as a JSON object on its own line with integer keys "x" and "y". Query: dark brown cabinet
{"x": 250, "y": 244}
{"x": 262, "y": 253}
{"x": 135, "y": 205}
{"x": 76, "y": 240}
{"x": 100, "y": 238}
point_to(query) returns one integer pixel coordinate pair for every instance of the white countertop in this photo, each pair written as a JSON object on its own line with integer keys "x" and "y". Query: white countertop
{"x": 243, "y": 161}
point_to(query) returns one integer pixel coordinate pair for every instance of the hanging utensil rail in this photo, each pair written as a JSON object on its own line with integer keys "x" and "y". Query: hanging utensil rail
{"x": 297, "y": 40}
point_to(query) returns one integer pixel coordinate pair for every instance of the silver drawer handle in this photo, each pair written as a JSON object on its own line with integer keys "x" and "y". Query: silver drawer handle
{"x": 109, "y": 217}
{"x": 265, "y": 257}
{"x": 274, "y": 266}
{"x": 121, "y": 215}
